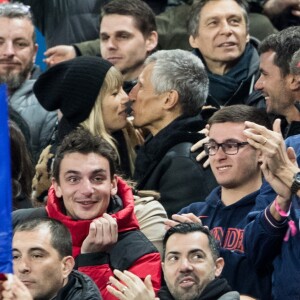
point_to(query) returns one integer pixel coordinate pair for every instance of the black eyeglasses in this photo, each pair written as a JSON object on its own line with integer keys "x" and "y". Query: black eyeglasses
{"x": 230, "y": 148}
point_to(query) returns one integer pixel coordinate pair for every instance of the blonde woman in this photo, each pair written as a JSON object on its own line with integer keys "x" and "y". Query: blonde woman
{"x": 88, "y": 93}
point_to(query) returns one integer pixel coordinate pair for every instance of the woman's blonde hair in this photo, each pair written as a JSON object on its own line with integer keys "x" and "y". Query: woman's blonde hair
{"x": 95, "y": 124}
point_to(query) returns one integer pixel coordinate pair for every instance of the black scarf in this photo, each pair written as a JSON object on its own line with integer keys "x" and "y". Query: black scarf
{"x": 214, "y": 290}
{"x": 223, "y": 87}
{"x": 183, "y": 129}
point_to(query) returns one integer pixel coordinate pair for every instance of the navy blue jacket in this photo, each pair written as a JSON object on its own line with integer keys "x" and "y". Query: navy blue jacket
{"x": 227, "y": 224}
{"x": 265, "y": 248}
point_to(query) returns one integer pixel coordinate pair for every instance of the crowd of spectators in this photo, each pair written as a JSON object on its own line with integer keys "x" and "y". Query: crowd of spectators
{"x": 157, "y": 155}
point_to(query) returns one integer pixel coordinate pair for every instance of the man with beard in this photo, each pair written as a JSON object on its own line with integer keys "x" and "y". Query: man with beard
{"x": 17, "y": 55}
{"x": 191, "y": 264}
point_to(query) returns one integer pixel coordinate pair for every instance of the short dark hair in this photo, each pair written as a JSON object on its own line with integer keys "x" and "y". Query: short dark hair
{"x": 141, "y": 12}
{"x": 196, "y": 8}
{"x": 82, "y": 141}
{"x": 185, "y": 228}
{"x": 60, "y": 237}
{"x": 284, "y": 43}
{"x": 17, "y": 10}
{"x": 240, "y": 113}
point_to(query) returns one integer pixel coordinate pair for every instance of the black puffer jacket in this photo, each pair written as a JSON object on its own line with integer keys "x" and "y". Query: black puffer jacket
{"x": 79, "y": 287}
{"x": 166, "y": 164}
{"x": 64, "y": 22}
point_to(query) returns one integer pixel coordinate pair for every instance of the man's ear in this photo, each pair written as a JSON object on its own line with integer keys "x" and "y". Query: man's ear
{"x": 68, "y": 264}
{"x": 163, "y": 266}
{"x": 36, "y": 47}
{"x": 193, "y": 42}
{"x": 114, "y": 186}
{"x": 219, "y": 266}
{"x": 247, "y": 38}
{"x": 57, "y": 188}
{"x": 171, "y": 100}
{"x": 293, "y": 82}
{"x": 151, "y": 41}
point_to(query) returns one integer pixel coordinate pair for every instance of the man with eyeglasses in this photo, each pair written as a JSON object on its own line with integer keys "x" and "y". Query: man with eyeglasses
{"x": 236, "y": 166}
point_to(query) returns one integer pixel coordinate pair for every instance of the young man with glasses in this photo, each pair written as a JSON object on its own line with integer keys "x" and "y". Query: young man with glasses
{"x": 236, "y": 166}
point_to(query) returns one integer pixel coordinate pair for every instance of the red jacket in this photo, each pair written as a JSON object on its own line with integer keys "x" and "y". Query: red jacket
{"x": 133, "y": 251}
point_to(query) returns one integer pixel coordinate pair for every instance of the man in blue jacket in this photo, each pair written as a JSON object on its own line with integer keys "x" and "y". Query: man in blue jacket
{"x": 236, "y": 166}
{"x": 273, "y": 239}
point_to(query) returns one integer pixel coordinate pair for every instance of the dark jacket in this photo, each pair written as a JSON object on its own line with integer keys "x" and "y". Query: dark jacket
{"x": 41, "y": 122}
{"x": 227, "y": 224}
{"x": 265, "y": 247}
{"x": 218, "y": 289}
{"x": 237, "y": 85}
{"x": 63, "y": 22}
{"x": 79, "y": 287}
{"x": 165, "y": 164}
{"x": 132, "y": 252}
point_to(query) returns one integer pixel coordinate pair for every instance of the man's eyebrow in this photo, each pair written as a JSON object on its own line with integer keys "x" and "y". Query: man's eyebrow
{"x": 173, "y": 252}
{"x": 232, "y": 140}
{"x": 32, "y": 249}
{"x": 78, "y": 172}
{"x": 116, "y": 32}
{"x": 197, "y": 250}
{"x": 101, "y": 171}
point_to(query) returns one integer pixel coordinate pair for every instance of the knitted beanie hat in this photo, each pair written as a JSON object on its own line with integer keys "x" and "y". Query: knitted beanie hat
{"x": 72, "y": 86}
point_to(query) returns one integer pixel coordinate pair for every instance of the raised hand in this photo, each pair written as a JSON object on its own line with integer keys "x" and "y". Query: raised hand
{"x": 102, "y": 236}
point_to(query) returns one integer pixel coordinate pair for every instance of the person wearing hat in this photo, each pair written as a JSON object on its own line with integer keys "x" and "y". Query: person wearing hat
{"x": 88, "y": 93}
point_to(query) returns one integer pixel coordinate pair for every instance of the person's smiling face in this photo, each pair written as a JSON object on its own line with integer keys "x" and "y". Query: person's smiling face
{"x": 85, "y": 185}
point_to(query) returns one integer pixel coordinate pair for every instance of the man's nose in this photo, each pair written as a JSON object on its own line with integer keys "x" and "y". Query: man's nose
{"x": 225, "y": 28}
{"x": 133, "y": 93}
{"x": 220, "y": 154}
{"x": 111, "y": 43}
{"x": 8, "y": 49}
{"x": 185, "y": 265}
{"x": 22, "y": 266}
{"x": 259, "y": 84}
{"x": 87, "y": 187}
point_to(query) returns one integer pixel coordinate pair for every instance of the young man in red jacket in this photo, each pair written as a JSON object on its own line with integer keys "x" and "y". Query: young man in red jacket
{"x": 98, "y": 209}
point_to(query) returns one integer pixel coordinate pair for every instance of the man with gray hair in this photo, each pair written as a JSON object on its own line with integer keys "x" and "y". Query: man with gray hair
{"x": 17, "y": 55}
{"x": 167, "y": 101}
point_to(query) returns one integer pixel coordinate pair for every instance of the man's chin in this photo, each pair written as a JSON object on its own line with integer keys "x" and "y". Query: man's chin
{"x": 13, "y": 80}
{"x": 186, "y": 294}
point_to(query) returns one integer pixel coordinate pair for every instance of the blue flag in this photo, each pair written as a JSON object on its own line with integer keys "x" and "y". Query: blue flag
{"x": 5, "y": 188}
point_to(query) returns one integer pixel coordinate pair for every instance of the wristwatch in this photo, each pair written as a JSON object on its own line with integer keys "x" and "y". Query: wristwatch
{"x": 296, "y": 183}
